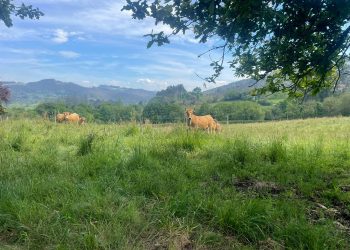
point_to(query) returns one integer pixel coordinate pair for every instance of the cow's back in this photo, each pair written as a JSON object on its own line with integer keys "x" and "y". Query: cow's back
{"x": 205, "y": 121}
{"x": 73, "y": 117}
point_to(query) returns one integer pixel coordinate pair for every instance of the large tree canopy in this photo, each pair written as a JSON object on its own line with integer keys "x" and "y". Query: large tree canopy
{"x": 8, "y": 9}
{"x": 297, "y": 46}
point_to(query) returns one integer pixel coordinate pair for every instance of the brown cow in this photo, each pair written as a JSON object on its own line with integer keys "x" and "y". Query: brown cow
{"x": 72, "y": 118}
{"x": 60, "y": 118}
{"x": 218, "y": 127}
{"x": 82, "y": 120}
{"x": 204, "y": 122}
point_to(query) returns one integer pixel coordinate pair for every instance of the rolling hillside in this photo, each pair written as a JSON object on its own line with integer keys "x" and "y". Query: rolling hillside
{"x": 239, "y": 86}
{"x": 50, "y": 89}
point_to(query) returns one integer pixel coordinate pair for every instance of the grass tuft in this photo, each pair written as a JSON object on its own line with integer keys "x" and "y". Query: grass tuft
{"x": 85, "y": 145}
{"x": 17, "y": 143}
{"x": 132, "y": 130}
{"x": 276, "y": 151}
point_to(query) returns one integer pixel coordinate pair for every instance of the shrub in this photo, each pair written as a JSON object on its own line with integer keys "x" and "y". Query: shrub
{"x": 85, "y": 146}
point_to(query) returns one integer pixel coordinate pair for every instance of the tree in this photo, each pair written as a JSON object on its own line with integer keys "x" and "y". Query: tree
{"x": 344, "y": 106}
{"x": 8, "y": 9}
{"x": 296, "y": 46}
{"x": 233, "y": 95}
{"x": 51, "y": 108}
{"x": 331, "y": 106}
{"x": 115, "y": 112}
{"x": 160, "y": 112}
{"x": 197, "y": 92}
{"x": 175, "y": 93}
{"x": 4, "y": 97}
{"x": 239, "y": 110}
{"x": 204, "y": 109}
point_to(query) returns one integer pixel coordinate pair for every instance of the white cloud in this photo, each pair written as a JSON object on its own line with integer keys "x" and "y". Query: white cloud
{"x": 144, "y": 80}
{"x": 222, "y": 82}
{"x": 60, "y": 36}
{"x": 105, "y": 17}
{"x": 69, "y": 54}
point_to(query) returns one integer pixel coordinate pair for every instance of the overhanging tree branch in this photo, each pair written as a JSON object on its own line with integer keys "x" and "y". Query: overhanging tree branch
{"x": 284, "y": 38}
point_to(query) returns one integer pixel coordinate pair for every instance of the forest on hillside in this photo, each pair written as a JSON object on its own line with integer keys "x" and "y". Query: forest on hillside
{"x": 168, "y": 107}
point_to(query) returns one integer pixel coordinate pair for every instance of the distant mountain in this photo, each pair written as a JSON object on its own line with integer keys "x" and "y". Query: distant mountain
{"x": 239, "y": 86}
{"x": 53, "y": 90}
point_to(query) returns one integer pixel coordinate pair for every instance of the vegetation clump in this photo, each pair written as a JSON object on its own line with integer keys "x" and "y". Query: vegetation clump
{"x": 85, "y": 146}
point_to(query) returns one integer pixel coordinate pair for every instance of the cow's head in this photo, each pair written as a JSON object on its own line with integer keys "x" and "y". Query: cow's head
{"x": 66, "y": 114}
{"x": 82, "y": 120}
{"x": 189, "y": 113}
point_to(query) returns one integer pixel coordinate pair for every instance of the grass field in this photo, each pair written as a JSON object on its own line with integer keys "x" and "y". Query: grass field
{"x": 276, "y": 185}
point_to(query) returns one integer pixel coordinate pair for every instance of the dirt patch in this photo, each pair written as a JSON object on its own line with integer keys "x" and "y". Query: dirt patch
{"x": 260, "y": 187}
{"x": 345, "y": 188}
{"x": 270, "y": 244}
{"x": 340, "y": 215}
{"x": 9, "y": 236}
{"x": 172, "y": 240}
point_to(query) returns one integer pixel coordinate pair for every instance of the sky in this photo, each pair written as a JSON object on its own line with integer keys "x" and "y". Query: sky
{"x": 93, "y": 42}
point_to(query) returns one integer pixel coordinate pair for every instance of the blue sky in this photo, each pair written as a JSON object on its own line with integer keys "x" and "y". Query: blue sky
{"x": 92, "y": 42}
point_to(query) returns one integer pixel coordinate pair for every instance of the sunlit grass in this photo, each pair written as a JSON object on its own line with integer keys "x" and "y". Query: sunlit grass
{"x": 267, "y": 185}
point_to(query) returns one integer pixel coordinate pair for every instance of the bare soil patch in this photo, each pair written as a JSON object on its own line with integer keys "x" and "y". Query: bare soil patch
{"x": 260, "y": 187}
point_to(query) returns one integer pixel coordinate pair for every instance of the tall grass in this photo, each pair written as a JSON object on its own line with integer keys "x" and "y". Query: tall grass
{"x": 268, "y": 185}
{"x": 85, "y": 146}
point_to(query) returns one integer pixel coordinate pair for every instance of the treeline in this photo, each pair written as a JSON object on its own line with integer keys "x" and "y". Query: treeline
{"x": 107, "y": 112}
{"x": 286, "y": 109}
{"x": 169, "y": 105}
{"x": 104, "y": 112}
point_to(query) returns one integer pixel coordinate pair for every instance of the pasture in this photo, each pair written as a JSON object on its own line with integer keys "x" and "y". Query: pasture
{"x": 272, "y": 185}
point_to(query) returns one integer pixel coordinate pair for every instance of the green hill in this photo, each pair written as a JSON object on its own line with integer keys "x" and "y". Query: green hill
{"x": 53, "y": 90}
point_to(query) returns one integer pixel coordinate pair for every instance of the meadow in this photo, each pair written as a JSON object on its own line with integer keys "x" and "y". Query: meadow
{"x": 273, "y": 185}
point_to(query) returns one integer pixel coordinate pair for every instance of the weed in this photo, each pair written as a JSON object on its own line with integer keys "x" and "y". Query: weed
{"x": 276, "y": 151}
{"x": 85, "y": 145}
{"x": 132, "y": 130}
{"x": 17, "y": 143}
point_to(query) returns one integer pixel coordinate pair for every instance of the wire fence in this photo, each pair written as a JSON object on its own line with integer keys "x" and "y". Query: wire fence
{"x": 141, "y": 120}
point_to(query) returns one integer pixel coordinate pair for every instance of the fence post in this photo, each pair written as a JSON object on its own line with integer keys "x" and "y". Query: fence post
{"x": 141, "y": 127}
{"x": 227, "y": 120}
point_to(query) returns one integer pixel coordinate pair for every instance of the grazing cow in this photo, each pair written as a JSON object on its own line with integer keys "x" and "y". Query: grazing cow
{"x": 82, "y": 120}
{"x": 60, "y": 118}
{"x": 204, "y": 122}
{"x": 218, "y": 127}
{"x": 72, "y": 118}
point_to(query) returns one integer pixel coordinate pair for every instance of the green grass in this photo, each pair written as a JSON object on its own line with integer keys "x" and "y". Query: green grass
{"x": 268, "y": 185}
